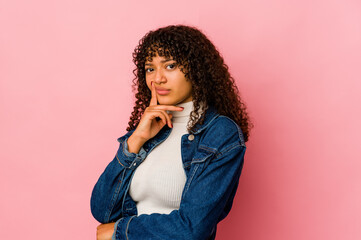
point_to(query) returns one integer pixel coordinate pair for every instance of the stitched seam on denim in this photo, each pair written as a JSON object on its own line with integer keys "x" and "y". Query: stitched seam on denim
{"x": 116, "y": 155}
{"x": 191, "y": 177}
{"x": 113, "y": 200}
{"x": 240, "y": 134}
{"x": 199, "y": 160}
{"x": 127, "y": 189}
{"x": 126, "y": 230}
{"x": 123, "y": 146}
{"x": 213, "y": 150}
{"x": 230, "y": 148}
{"x": 115, "y": 230}
{"x": 123, "y": 195}
{"x": 187, "y": 164}
{"x": 205, "y": 126}
{"x": 127, "y": 135}
{"x": 154, "y": 145}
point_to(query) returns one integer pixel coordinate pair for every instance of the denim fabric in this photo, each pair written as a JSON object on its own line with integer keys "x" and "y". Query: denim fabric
{"x": 212, "y": 160}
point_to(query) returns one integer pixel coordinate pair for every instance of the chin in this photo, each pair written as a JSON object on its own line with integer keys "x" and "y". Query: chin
{"x": 165, "y": 102}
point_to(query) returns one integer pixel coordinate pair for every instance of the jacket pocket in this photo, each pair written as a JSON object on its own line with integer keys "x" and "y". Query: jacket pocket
{"x": 196, "y": 166}
{"x": 203, "y": 154}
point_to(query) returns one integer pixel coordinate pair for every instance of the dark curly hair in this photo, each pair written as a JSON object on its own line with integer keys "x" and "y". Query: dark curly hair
{"x": 201, "y": 63}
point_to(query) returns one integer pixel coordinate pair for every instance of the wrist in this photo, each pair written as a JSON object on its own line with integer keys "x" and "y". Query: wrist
{"x": 134, "y": 143}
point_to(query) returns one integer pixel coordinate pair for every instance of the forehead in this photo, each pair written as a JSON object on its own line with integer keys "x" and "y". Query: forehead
{"x": 158, "y": 52}
{"x": 158, "y": 59}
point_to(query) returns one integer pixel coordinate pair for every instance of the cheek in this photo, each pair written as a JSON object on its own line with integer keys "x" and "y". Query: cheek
{"x": 189, "y": 86}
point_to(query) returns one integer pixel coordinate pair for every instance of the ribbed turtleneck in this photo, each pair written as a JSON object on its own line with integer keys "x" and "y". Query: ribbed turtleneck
{"x": 182, "y": 116}
{"x": 158, "y": 182}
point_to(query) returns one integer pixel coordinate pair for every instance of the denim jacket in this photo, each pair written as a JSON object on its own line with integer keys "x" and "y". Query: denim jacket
{"x": 212, "y": 160}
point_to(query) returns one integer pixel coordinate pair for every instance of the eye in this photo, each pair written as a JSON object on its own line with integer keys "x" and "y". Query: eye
{"x": 172, "y": 65}
{"x": 148, "y": 69}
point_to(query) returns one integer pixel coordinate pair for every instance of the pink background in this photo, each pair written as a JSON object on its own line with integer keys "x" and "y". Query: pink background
{"x": 65, "y": 96}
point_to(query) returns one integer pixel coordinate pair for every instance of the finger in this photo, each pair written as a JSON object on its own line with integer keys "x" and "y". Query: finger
{"x": 168, "y": 107}
{"x": 164, "y": 116}
{"x": 161, "y": 116}
{"x": 160, "y": 124}
{"x": 153, "y": 100}
{"x": 169, "y": 121}
{"x": 150, "y": 114}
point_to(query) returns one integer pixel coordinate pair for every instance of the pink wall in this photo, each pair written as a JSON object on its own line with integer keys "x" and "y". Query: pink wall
{"x": 65, "y": 96}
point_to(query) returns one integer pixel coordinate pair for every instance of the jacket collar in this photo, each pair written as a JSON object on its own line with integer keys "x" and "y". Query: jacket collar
{"x": 211, "y": 114}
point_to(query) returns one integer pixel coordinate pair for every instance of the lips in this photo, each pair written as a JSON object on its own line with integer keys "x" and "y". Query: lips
{"x": 162, "y": 91}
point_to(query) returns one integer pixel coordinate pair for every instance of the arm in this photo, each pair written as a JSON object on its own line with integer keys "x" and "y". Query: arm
{"x": 106, "y": 199}
{"x": 107, "y": 196}
{"x": 213, "y": 184}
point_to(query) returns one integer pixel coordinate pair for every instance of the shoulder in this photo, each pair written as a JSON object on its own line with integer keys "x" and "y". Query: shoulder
{"x": 222, "y": 133}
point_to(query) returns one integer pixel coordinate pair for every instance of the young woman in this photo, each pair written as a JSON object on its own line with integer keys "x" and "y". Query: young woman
{"x": 177, "y": 168}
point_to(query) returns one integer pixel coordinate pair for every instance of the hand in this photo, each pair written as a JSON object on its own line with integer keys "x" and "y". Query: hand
{"x": 105, "y": 231}
{"x": 149, "y": 126}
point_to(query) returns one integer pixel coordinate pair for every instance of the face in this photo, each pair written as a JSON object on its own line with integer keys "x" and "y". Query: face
{"x": 172, "y": 87}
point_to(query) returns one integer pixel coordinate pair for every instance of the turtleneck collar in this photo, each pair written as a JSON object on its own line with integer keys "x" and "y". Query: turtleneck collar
{"x": 183, "y": 116}
{"x": 188, "y": 108}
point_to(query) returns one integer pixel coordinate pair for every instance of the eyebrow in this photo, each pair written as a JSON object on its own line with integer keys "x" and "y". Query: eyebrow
{"x": 162, "y": 61}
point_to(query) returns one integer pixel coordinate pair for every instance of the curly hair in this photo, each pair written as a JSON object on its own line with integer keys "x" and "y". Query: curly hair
{"x": 201, "y": 63}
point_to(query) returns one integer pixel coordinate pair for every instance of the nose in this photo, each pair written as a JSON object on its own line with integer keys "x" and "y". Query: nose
{"x": 159, "y": 77}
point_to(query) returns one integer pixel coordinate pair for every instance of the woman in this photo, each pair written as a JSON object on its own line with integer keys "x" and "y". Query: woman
{"x": 177, "y": 168}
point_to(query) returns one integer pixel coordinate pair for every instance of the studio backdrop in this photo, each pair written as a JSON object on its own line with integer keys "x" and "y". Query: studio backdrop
{"x": 65, "y": 97}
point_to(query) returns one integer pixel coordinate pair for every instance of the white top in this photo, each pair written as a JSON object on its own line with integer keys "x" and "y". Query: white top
{"x": 158, "y": 182}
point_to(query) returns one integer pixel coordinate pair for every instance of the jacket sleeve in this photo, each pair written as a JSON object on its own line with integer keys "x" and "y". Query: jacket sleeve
{"x": 107, "y": 195}
{"x": 213, "y": 184}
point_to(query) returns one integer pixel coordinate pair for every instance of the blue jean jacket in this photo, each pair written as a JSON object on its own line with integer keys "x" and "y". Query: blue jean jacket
{"x": 212, "y": 160}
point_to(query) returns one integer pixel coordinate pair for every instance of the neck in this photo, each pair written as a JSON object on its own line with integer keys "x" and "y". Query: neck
{"x": 188, "y": 108}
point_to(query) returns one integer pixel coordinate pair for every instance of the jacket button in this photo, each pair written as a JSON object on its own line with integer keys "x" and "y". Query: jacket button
{"x": 191, "y": 137}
